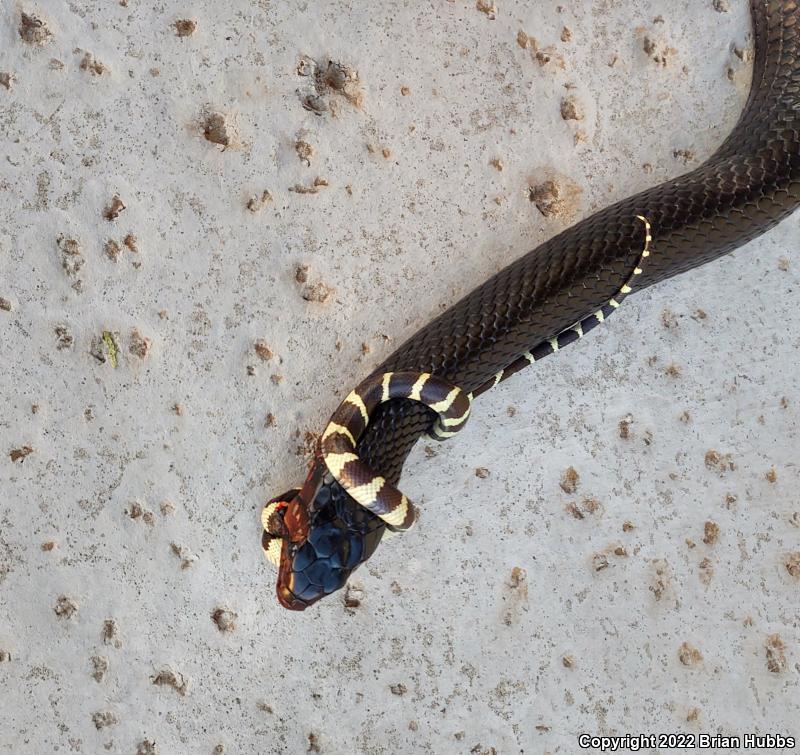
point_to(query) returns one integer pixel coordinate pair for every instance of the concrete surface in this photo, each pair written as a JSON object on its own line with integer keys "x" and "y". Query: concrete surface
{"x": 137, "y": 612}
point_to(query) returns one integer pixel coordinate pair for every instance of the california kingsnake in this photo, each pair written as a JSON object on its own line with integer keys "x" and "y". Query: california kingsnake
{"x": 338, "y": 442}
{"x": 748, "y": 185}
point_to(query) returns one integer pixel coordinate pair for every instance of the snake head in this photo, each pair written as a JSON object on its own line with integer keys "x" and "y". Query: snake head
{"x": 317, "y": 535}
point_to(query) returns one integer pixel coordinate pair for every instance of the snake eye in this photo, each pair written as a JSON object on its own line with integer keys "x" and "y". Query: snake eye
{"x": 274, "y": 513}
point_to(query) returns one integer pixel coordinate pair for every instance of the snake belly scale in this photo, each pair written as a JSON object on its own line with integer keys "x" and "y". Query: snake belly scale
{"x": 747, "y": 186}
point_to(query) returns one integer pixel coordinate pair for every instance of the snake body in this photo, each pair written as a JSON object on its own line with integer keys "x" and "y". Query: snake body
{"x": 338, "y": 445}
{"x": 530, "y": 308}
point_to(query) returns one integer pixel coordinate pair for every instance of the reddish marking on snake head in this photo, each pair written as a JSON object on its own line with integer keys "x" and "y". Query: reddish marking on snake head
{"x": 296, "y": 520}
{"x": 297, "y": 523}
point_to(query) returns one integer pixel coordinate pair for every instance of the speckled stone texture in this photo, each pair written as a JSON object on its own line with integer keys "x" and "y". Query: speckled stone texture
{"x": 611, "y": 546}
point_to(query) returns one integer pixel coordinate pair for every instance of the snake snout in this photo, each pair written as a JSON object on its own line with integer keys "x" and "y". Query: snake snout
{"x": 324, "y": 537}
{"x": 309, "y": 570}
{"x": 285, "y": 541}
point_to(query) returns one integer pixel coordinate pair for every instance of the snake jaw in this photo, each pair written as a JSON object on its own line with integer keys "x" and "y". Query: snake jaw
{"x": 285, "y": 579}
{"x": 293, "y": 511}
{"x": 329, "y": 535}
{"x": 285, "y": 520}
{"x": 296, "y": 522}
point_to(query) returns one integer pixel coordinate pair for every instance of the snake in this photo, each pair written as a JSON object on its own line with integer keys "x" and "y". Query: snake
{"x": 549, "y": 297}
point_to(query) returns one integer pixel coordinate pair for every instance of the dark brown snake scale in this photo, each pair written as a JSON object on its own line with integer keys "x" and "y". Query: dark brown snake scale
{"x": 745, "y": 188}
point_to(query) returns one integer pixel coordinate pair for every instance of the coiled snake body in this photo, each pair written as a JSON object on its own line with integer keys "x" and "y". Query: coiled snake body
{"x": 541, "y": 302}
